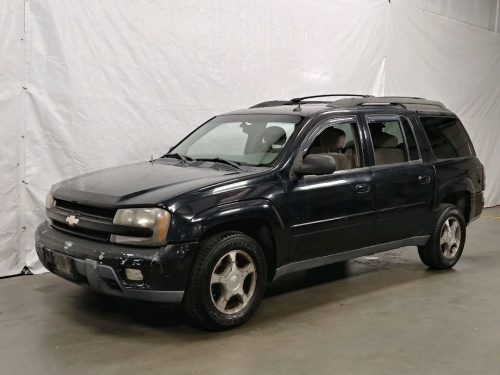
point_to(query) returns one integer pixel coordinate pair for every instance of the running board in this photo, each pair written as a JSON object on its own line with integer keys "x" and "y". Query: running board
{"x": 334, "y": 258}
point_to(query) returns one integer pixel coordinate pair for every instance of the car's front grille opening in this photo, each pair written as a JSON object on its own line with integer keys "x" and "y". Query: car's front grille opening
{"x": 108, "y": 213}
{"x": 83, "y": 232}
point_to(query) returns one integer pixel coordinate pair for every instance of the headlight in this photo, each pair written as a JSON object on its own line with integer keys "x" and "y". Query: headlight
{"x": 155, "y": 219}
{"x": 49, "y": 201}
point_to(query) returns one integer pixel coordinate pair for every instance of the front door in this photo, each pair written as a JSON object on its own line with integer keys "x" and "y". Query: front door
{"x": 332, "y": 213}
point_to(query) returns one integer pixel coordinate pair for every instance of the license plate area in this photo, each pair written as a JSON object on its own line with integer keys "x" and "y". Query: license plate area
{"x": 63, "y": 265}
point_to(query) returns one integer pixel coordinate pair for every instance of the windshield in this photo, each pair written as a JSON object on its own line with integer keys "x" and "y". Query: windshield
{"x": 246, "y": 139}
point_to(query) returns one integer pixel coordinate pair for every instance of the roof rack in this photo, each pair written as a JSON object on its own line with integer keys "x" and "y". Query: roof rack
{"x": 407, "y": 102}
{"x": 403, "y": 97}
{"x": 354, "y": 100}
{"x": 271, "y": 103}
{"x": 298, "y": 100}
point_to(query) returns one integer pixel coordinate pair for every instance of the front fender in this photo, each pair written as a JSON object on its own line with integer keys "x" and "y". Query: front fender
{"x": 252, "y": 210}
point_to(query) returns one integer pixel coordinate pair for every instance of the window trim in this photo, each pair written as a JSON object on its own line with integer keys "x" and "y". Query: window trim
{"x": 414, "y": 138}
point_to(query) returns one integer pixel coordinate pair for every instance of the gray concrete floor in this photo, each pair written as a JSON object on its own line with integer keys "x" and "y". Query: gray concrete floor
{"x": 388, "y": 315}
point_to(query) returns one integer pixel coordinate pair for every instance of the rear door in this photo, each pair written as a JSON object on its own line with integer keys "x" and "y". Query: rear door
{"x": 404, "y": 184}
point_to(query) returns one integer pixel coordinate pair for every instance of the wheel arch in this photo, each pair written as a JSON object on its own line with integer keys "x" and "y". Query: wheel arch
{"x": 257, "y": 219}
{"x": 457, "y": 192}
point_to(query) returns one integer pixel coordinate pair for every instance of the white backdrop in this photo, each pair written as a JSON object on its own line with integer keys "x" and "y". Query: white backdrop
{"x": 115, "y": 82}
{"x": 456, "y": 64}
{"x": 12, "y": 255}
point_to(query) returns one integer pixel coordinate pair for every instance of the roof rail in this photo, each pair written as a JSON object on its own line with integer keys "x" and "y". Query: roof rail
{"x": 271, "y": 103}
{"x": 403, "y": 97}
{"x": 409, "y": 103}
{"x": 354, "y": 100}
{"x": 298, "y": 100}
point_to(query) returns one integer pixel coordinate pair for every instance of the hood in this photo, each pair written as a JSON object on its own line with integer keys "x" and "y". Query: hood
{"x": 137, "y": 184}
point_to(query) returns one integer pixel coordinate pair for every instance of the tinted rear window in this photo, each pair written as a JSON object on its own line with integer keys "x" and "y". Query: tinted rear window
{"x": 447, "y": 137}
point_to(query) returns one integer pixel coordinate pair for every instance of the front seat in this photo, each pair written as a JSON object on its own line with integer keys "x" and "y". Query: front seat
{"x": 333, "y": 141}
{"x": 274, "y": 138}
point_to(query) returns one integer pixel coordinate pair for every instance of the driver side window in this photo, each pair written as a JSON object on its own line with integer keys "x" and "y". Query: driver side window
{"x": 341, "y": 142}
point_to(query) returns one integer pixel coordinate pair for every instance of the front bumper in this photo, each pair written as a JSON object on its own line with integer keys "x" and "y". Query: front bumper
{"x": 101, "y": 266}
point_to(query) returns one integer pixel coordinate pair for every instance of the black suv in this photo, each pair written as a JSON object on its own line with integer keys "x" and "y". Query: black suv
{"x": 254, "y": 194}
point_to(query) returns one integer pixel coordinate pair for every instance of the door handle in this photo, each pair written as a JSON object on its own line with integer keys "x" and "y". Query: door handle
{"x": 362, "y": 188}
{"x": 424, "y": 179}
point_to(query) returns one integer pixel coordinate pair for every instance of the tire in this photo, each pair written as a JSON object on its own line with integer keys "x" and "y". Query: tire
{"x": 447, "y": 239}
{"x": 227, "y": 281}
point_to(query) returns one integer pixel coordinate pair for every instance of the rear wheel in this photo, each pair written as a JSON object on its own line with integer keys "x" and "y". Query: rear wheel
{"x": 447, "y": 240}
{"x": 227, "y": 281}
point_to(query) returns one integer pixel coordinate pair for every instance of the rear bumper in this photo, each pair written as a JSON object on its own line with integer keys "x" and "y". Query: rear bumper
{"x": 101, "y": 266}
{"x": 477, "y": 205}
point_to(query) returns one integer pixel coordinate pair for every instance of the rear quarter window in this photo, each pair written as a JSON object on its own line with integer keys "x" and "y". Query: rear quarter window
{"x": 447, "y": 137}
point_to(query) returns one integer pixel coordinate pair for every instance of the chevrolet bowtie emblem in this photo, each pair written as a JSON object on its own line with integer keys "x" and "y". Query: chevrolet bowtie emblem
{"x": 72, "y": 220}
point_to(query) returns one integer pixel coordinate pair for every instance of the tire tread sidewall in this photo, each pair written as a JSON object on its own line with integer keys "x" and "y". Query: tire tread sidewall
{"x": 431, "y": 254}
{"x": 197, "y": 301}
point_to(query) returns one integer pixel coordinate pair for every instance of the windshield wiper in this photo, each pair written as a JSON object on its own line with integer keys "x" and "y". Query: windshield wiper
{"x": 183, "y": 158}
{"x": 233, "y": 164}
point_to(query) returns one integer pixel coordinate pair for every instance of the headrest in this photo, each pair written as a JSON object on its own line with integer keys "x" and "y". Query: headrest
{"x": 377, "y": 127}
{"x": 384, "y": 140}
{"x": 274, "y": 135}
{"x": 332, "y": 139}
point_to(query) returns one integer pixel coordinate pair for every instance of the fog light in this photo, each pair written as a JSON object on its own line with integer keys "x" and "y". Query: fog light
{"x": 133, "y": 274}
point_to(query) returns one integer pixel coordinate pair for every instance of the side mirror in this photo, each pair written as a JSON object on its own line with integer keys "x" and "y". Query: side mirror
{"x": 315, "y": 164}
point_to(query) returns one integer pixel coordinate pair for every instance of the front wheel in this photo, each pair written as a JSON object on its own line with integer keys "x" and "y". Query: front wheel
{"x": 447, "y": 240}
{"x": 227, "y": 281}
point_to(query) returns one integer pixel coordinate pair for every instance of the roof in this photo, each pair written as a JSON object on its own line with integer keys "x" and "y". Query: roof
{"x": 303, "y": 106}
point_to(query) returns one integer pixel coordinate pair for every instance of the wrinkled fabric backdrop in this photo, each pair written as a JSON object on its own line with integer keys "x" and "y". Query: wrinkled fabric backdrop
{"x": 86, "y": 85}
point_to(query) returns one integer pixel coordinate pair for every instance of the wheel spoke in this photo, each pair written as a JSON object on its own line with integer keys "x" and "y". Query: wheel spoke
{"x": 232, "y": 256}
{"x": 445, "y": 247}
{"x": 248, "y": 270}
{"x": 218, "y": 293}
{"x": 222, "y": 303}
{"x": 442, "y": 240}
{"x": 224, "y": 298}
{"x": 215, "y": 279}
{"x": 444, "y": 232}
{"x": 244, "y": 298}
{"x": 457, "y": 233}
{"x": 447, "y": 225}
